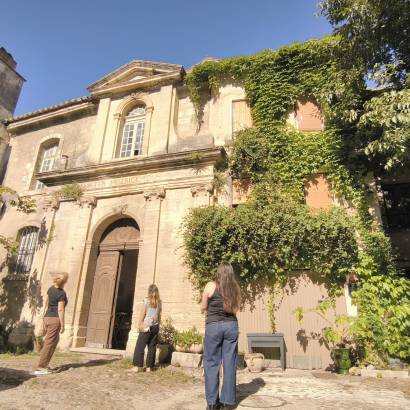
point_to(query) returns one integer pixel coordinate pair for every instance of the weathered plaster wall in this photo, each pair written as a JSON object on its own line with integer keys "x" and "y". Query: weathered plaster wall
{"x": 74, "y": 136}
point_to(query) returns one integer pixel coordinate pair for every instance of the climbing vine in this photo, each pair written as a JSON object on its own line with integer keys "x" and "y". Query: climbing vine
{"x": 274, "y": 233}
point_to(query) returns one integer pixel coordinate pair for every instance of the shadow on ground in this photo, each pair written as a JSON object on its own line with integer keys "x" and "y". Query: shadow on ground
{"x": 90, "y": 363}
{"x": 10, "y": 378}
{"x": 244, "y": 390}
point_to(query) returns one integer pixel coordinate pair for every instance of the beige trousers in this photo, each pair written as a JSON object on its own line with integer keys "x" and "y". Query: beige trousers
{"x": 53, "y": 327}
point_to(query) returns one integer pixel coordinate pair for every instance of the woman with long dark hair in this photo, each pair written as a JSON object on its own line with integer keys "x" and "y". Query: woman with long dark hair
{"x": 149, "y": 321}
{"x": 221, "y": 301}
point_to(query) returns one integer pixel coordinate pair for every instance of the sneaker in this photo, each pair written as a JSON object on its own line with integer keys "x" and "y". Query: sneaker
{"x": 137, "y": 369}
{"x": 41, "y": 372}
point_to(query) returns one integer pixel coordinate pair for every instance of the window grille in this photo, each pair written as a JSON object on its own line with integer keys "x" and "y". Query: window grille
{"x": 27, "y": 246}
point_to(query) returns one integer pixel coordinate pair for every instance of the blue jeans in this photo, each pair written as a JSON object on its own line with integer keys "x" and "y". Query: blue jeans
{"x": 220, "y": 346}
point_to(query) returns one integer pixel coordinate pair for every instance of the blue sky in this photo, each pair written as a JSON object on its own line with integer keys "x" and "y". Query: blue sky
{"x": 63, "y": 46}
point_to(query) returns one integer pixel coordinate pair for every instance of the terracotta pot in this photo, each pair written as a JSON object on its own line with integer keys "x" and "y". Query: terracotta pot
{"x": 181, "y": 348}
{"x": 196, "y": 348}
{"x": 255, "y": 362}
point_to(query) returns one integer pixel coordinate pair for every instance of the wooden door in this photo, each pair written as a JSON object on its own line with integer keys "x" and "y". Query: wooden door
{"x": 102, "y": 299}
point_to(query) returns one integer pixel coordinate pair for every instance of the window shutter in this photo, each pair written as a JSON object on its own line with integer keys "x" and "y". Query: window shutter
{"x": 317, "y": 191}
{"x": 241, "y": 115}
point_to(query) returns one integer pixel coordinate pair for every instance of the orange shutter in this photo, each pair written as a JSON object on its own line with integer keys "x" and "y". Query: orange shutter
{"x": 308, "y": 116}
{"x": 317, "y": 191}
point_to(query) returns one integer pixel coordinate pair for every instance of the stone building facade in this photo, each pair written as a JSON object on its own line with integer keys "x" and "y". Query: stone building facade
{"x": 136, "y": 150}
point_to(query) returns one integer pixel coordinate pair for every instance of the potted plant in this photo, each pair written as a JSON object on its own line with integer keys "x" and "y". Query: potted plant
{"x": 336, "y": 335}
{"x": 188, "y": 341}
{"x": 165, "y": 340}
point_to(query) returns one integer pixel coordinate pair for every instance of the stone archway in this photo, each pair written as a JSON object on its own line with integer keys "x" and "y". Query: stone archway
{"x": 110, "y": 311}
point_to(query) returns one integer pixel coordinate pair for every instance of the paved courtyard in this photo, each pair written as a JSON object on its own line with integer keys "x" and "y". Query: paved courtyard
{"x": 90, "y": 382}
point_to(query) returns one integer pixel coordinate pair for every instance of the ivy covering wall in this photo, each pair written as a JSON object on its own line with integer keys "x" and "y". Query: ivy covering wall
{"x": 274, "y": 233}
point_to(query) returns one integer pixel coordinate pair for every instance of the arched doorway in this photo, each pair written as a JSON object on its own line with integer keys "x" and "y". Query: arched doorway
{"x": 109, "y": 318}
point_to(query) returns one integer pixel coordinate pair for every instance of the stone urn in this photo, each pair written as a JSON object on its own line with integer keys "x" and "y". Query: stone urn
{"x": 196, "y": 348}
{"x": 181, "y": 348}
{"x": 255, "y": 362}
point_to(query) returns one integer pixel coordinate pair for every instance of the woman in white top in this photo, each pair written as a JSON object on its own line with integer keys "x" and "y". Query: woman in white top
{"x": 148, "y": 326}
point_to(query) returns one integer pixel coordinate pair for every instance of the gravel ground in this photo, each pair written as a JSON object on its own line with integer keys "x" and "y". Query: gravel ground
{"x": 90, "y": 382}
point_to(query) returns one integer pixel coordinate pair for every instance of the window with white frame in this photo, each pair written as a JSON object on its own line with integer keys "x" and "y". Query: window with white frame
{"x": 48, "y": 157}
{"x": 133, "y": 133}
{"x": 27, "y": 239}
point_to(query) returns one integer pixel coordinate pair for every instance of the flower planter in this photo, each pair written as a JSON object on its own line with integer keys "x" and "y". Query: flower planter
{"x": 341, "y": 357}
{"x": 194, "y": 348}
{"x": 255, "y": 362}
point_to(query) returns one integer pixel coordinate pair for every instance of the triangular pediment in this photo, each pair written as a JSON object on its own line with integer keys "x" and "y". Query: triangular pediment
{"x": 135, "y": 74}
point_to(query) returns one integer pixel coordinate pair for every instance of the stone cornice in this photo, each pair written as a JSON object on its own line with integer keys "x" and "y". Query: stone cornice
{"x": 48, "y": 114}
{"x": 136, "y": 84}
{"x": 132, "y": 166}
{"x": 150, "y": 67}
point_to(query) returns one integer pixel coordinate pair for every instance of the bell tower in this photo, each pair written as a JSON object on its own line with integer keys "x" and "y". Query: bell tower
{"x": 11, "y": 83}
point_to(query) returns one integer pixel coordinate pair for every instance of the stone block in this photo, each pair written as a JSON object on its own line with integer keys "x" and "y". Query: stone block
{"x": 21, "y": 337}
{"x": 191, "y": 360}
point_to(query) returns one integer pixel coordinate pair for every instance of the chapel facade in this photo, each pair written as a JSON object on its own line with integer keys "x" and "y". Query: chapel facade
{"x": 141, "y": 159}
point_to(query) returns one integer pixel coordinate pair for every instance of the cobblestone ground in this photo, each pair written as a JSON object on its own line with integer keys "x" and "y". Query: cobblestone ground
{"x": 89, "y": 382}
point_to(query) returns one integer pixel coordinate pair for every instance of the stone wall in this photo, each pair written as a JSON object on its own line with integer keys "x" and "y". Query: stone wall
{"x": 11, "y": 83}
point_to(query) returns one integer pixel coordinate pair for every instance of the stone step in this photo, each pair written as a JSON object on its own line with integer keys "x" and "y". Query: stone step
{"x": 99, "y": 351}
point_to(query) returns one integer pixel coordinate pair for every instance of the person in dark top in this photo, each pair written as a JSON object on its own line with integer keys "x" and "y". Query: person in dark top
{"x": 221, "y": 302}
{"x": 54, "y": 312}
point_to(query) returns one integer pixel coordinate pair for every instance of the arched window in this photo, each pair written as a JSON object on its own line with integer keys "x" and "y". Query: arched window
{"x": 47, "y": 156}
{"x": 132, "y": 136}
{"x": 27, "y": 239}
